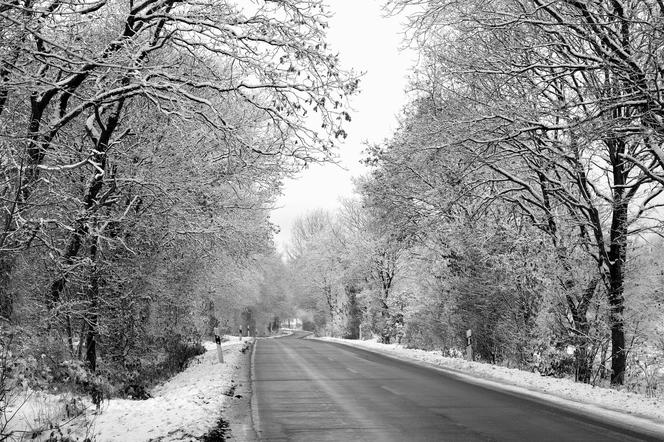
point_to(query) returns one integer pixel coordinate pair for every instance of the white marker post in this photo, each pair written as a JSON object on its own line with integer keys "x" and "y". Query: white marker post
{"x": 217, "y": 340}
{"x": 469, "y": 347}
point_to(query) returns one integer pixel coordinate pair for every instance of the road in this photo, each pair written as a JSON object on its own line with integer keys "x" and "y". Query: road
{"x": 308, "y": 390}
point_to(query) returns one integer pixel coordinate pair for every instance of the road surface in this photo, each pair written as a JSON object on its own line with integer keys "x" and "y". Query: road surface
{"x": 308, "y": 390}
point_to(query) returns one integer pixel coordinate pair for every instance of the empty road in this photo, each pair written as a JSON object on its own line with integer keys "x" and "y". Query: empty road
{"x": 307, "y": 390}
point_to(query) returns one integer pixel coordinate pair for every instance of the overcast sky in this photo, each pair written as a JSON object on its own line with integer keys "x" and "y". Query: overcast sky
{"x": 370, "y": 43}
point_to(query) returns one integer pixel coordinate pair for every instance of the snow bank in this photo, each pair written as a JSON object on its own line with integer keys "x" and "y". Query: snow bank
{"x": 183, "y": 408}
{"x": 532, "y": 383}
{"x": 30, "y": 411}
{"x": 186, "y": 406}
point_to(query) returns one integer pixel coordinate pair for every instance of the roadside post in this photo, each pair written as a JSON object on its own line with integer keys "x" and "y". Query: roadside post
{"x": 217, "y": 340}
{"x": 469, "y": 346}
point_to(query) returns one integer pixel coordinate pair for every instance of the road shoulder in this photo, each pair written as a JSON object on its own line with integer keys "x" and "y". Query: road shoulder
{"x": 237, "y": 412}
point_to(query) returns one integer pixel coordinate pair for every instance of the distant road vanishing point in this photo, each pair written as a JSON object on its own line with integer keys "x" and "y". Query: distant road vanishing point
{"x": 308, "y": 390}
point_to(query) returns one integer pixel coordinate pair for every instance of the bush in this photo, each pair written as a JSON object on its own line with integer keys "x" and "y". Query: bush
{"x": 390, "y": 328}
{"x": 555, "y": 362}
{"x": 160, "y": 360}
{"x": 178, "y": 355}
{"x": 96, "y": 385}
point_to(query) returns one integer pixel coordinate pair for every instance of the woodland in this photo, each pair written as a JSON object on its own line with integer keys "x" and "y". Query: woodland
{"x": 143, "y": 144}
{"x": 520, "y": 198}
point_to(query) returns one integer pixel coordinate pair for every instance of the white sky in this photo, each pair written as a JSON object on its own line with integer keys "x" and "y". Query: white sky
{"x": 366, "y": 42}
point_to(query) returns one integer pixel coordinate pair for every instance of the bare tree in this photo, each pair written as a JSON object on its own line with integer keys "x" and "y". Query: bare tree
{"x": 567, "y": 110}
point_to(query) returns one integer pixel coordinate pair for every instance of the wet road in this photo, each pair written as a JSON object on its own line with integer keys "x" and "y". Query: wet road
{"x": 307, "y": 390}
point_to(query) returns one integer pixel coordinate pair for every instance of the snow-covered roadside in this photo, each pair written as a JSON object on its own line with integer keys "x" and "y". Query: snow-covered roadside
{"x": 614, "y": 404}
{"x": 185, "y": 407}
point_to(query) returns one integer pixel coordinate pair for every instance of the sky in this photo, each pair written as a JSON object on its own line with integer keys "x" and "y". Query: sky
{"x": 370, "y": 43}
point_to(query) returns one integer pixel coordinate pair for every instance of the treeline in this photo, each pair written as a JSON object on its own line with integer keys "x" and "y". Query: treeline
{"x": 520, "y": 198}
{"x": 142, "y": 145}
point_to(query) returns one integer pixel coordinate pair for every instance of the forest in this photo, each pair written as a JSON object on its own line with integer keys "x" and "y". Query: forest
{"x": 142, "y": 146}
{"x": 520, "y": 198}
{"x": 144, "y": 143}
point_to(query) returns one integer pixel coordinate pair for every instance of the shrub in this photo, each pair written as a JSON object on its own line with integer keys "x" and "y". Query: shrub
{"x": 96, "y": 385}
{"x": 178, "y": 354}
{"x": 555, "y": 362}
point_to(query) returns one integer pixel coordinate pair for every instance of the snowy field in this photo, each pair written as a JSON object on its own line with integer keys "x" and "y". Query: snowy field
{"x": 633, "y": 409}
{"x": 183, "y": 408}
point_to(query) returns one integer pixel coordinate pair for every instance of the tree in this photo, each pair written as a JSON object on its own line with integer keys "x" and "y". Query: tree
{"x": 141, "y": 147}
{"x": 327, "y": 264}
{"x": 568, "y": 113}
{"x": 181, "y": 60}
{"x": 463, "y": 262}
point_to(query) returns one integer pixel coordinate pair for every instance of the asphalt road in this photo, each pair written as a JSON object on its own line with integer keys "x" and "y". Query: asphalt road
{"x": 307, "y": 390}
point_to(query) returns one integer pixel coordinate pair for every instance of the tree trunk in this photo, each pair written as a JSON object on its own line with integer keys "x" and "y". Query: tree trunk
{"x": 91, "y": 344}
{"x": 579, "y": 311}
{"x": 93, "y": 315}
{"x": 92, "y": 200}
{"x": 617, "y": 306}
{"x": 617, "y": 256}
{"x": 583, "y": 365}
{"x": 6, "y": 297}
{"x": 73, "y": 246}
{"x": 577, "y": 304}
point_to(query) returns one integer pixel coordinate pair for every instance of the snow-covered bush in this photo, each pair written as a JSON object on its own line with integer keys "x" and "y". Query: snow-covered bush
{"x": 556, "y": 362}
{"x": 646, "y": 372}
{"x": 179, "y": 353}
{"x": 96, "y": 385}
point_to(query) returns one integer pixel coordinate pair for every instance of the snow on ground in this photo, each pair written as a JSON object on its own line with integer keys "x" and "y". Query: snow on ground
{"x": 611, "y": 403}
{"x": 30, "y": 410}
{"x": 184, "y": 407}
